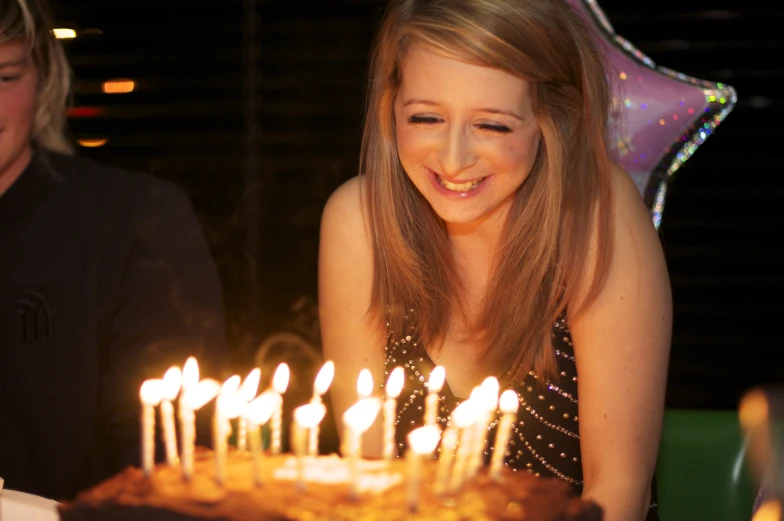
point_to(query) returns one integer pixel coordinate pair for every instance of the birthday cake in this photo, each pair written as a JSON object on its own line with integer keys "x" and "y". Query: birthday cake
{"x": 325, "y": 491}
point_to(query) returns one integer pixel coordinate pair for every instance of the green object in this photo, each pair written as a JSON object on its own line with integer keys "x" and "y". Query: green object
{"x": 702, "y": 472}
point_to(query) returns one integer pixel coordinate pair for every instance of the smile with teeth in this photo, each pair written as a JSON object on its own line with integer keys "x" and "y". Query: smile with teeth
{"x": 459, "y": 187}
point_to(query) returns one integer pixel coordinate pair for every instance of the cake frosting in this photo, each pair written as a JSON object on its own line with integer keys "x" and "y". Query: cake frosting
{"x": 324, "y": 494}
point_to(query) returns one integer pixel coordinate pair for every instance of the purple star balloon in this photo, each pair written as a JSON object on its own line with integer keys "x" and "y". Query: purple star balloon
{"x": 660, "y": 116}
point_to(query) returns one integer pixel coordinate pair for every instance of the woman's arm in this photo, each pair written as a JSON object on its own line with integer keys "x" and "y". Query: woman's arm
{"x": 622, "y": 343}
{"x": 345, "y": 282}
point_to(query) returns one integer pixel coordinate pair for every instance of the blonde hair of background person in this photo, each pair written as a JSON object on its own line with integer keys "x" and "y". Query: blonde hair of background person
{"x": 574, "y": 236}
{"x": 51, "y": 67}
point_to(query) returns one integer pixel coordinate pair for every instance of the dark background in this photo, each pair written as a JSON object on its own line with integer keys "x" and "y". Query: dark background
{"x": 259, "y": 119}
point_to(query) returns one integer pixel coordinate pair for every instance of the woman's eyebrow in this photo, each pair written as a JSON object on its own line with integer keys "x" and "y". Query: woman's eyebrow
{"x": 489, "y": 110}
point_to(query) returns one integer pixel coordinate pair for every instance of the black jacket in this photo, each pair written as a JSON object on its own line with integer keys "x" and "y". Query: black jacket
{"x": 105, "y": 280}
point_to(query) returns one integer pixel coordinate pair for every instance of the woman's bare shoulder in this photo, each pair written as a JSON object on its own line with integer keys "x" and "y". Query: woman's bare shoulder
{"x": 344, "y": 224}
{"x": 345, "y": 211}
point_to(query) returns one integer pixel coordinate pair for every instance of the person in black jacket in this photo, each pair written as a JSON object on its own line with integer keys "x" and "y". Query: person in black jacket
{"x": 105, "y": 280}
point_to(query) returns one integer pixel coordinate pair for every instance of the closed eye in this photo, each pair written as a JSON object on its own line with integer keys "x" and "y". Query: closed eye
{"x": 423, "y": 120}
{"x": 6, "y": 79}
{"x": 500, "y": 129}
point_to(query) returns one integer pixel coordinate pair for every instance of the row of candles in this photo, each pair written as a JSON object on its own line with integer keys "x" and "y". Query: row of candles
{"x": 462, "y": 442}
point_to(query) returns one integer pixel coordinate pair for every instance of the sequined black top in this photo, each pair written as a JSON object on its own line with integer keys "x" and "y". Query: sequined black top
{"x": 545, "y": 441}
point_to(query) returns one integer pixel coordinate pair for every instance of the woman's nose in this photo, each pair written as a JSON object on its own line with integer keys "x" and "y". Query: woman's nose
{"x": 456, "y": 151}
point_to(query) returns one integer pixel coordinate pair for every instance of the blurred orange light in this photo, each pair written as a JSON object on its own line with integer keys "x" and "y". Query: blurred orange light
{"x": 622, "y": 75}
{"x": 62, "y": 33}
{"x": 93, "y": 143}
{"x": 119, "y": 86}
{"x": 769, "y": 511}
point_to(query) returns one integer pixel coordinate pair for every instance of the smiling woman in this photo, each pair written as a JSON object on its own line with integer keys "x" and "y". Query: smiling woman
{"x": 490, "y": 234}
{"x": 463, "y": 131}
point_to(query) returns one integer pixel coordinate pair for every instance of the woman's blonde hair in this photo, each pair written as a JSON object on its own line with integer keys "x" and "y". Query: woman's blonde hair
{"x": 564, "y": 204}
{"x": 32, "y": 22}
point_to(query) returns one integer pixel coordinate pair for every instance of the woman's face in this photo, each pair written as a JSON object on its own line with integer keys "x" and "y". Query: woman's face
{"x": 17, "y": 106}
{"x": 466, "y": 136}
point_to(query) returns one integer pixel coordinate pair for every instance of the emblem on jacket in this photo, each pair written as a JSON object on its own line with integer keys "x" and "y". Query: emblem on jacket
{"x": 37, "y": 313}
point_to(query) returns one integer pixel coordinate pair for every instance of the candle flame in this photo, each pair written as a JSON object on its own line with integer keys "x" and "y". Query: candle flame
{"x": 489, "y": 393}
{"x": 360, "y": 416}
{"x": 395, "y": 382}
{"x": 509, "y": 401}
{"x": 364, "y": 384}
{"x": 190, "y": 373}
{"x": 769, "y": 511}
{"x": 231, "y": 385}
{"x": 465, "y": 414}
{"x": 231, "y": 404}
{"x": 280, "y": 381}
{"x": 172, "y": 381}
{"x": 436, "y": 380}
{"x": 424, "y": 439}
{"x": 250, "y": 387}
{"x": 260, "y": 410}
{"x": 310, "y": 415}
{"x": 324, "y": 378}
{"x": 151, "y": 392}
{"x": 202, "y": 393}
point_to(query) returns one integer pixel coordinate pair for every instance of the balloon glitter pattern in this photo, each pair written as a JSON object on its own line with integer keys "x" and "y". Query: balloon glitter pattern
{"x": 659, "y": 117}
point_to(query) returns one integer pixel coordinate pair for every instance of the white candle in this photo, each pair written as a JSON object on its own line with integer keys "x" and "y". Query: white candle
{"x": 434, "y": 384}
{"x": 258, "y": 412}
{"x": 280, "y": 382}
{"x": 195, "y": 399}
{"x": 150, "y": 394}
{"x": 190, "y": 380}
{"x": 358, "y": 418}
{"x": 306, "y": 417}
{"x": 320, "y": 386}
{"x": 421, "y": 442}
{"x": 248, "y": 390}
{"x": 393, "y": 388}
{"x": 230, "y": 404}
{"x": 508, "y": 404}
{"x": 487, "y": 398}
{"x": 463, "y": 417}
{"x": 364, "y": 390}
{"x": 446, "y": 459}
{"x": 172, "y": 381}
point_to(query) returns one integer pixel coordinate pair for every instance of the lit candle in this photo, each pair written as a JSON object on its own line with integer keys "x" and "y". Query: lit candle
{"x": 393, "y": 388}
{"x": 434, "y": 384}
{"x": 172, "y": 381}
{"x": 230, "y": 404}
{"x": 306, "y": 417}
{"x": 358, "y": 418}
{"x": 280, "y": 382}
{"x": 190, "y": 402}
{"x": 190, "y": 380}
{"x": 258, "y": 412}
{"x": 487, "y": 398}
{"x": 421, "y": 442}
{"x": 445, "y": 459}
{"x": 248, "y": 390}
{"x": 463, "y": 417}
{"x": 320, "y": 386}
{"x": 364, "y": 390}
{"x": 508, "y": 404}
{"x": 150, "y": 394}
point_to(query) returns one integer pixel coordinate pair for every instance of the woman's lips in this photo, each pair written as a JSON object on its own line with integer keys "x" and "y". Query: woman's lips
{"x": 436, "y": 181}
